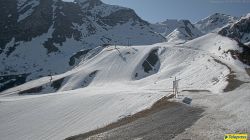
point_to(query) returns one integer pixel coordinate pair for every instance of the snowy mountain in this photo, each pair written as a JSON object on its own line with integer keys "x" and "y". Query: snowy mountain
{"x": 214, "y": 22}
{"x": 137, "y": 64}
{"x": 118, "y": 82}
{"x": 240, "y": 30}
{"x": 74, "y": 67}
{"x": 184, "y": 32}
{"x": 177, "y": 30}
{"x": 42, "y": 37}
{"x": 166, "y": 27}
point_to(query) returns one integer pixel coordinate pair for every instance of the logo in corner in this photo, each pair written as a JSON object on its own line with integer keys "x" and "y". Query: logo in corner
{"x": 235, "y": 137}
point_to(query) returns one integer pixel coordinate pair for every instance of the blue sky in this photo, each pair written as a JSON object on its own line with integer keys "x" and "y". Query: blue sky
{"x": 194, "y": 10}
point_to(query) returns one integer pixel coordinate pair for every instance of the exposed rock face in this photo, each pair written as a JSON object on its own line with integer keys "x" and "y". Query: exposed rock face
{"x": 37, "y": 23}
{"x": 9, "y": 81}
{"x": 122, "y": 16}
{"x": 244, "y": 55}
{"x": 149, "y": 66}
{"x": 239, "y": 30}
{"x": 40, "y": 36}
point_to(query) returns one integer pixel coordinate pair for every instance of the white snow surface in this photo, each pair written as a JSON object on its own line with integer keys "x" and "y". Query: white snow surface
{"x": 114, "y": 92}
{"x": 61, "y": 115}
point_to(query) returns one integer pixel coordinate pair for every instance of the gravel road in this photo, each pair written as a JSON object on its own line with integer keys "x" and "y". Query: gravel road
{"x": 163, "y": 121}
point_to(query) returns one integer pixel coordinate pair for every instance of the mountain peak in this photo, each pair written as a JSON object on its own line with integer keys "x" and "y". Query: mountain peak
{"x": 184, "y": 32}
{"x": 218, "y": 14}
{"x": 169, "y": 25}
{"x": 214, "y": 22}
{"x": 246, "y": 16}
{"x": 90, "y": 2}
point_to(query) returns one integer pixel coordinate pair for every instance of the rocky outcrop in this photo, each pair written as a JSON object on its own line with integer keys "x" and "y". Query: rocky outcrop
{"x": 239, "y": 31}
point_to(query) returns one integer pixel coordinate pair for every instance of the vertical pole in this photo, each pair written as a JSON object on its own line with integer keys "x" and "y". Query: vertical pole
{"x": 175, "y": 86}
{"x": 50, "y": 80}
{"x": 173, "y": 89}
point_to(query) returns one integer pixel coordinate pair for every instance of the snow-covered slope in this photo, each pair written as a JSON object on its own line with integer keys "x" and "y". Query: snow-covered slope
{"x": 215, "y": 22}
{"x": 43, "y": 37}
{"x": 137, "y": 63}
{"x": 240, "y": 30}
{"x": 118, "y": 81}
